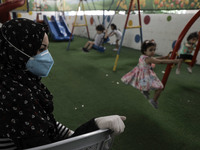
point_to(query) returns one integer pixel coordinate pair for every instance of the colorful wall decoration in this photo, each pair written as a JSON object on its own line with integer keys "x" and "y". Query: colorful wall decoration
{"x": 23, "y": 8}
{"x": 71, "y": 5}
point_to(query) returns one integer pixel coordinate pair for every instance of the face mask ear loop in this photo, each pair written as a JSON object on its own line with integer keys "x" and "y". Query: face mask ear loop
{"x": 14, "y": 46}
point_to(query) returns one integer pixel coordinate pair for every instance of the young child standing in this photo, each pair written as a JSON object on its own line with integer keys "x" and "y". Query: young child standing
{"x": 187, "y": 50}
{"x": 143, "y": 77}
{"x": 117, "y": 34}
{"x": 99, "y": 39}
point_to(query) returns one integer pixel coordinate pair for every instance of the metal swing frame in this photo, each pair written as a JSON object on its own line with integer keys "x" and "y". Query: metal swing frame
{"x": 129, "y": 27}
{"x": 80, "y": 4}
{"x": 177, "y": 46}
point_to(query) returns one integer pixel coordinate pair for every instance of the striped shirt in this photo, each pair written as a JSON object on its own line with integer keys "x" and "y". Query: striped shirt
{"x": 8, "y": 144}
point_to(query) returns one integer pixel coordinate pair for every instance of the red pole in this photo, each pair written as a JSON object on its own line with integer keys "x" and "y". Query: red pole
{"x": 125, "y": 25}
{"x": 129, "y": 10}
{"x": 177, "y": 45}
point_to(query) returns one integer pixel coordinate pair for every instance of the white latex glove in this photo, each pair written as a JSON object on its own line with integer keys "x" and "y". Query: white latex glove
{"x": 113, "y": 122}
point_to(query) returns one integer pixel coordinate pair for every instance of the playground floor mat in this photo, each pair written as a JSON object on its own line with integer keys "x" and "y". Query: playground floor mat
{"x": 84, "y": 86}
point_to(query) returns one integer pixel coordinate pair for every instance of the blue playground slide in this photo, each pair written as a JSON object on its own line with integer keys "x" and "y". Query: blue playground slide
{"x": 58, "y": 29}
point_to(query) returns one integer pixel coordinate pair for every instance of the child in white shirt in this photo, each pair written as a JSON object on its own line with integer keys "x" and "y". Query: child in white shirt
{"x": 118, "y": 35}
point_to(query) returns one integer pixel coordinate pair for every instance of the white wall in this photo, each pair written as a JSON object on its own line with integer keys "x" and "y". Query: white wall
{"x": 164, "y": 32}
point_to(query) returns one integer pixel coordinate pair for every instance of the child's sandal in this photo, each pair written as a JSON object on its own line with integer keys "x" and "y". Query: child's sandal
{"x": 153, "y": 103}
{"x": 85, "y": 49}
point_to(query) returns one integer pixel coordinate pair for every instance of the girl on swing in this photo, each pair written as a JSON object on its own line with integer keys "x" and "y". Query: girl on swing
{"x": 143, "y": 77}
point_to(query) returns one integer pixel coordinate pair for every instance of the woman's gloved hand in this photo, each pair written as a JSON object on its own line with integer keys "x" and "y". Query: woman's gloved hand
{"x": 113, "y": 122}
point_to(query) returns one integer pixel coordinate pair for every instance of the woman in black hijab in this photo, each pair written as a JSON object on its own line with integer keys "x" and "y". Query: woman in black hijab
{"x": 26, "y": 107}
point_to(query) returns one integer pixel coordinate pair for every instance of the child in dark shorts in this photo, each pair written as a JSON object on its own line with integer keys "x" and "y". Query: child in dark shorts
{"x": 186, "y": 52}
{"x": 98, "y": 41}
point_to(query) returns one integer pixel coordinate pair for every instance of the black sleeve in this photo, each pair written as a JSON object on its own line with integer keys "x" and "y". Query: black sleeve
{"x": 23, "y": 143}
{"x": 86, "y": 128}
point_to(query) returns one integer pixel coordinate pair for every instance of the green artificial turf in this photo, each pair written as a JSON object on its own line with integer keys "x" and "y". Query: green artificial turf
{"x": 84, "y": 86}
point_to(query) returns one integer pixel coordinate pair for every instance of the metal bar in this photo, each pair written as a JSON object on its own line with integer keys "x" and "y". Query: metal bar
{"x": 79, "y": 25}
{"x": 130, "y": 27}
{"x": 73, "y": 26}
{"x": 86, "y": 21}
{"x": 140, "y": 22}
{"x": 96, "y": 9}
{"x": 103, "y": 14}
{"x": 114, "y": 14}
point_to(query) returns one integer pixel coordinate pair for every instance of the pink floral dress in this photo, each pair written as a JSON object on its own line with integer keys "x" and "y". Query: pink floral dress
{"x": 142, "y": 77}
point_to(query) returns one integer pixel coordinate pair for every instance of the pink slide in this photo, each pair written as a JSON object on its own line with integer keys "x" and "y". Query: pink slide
{"x": 6, "y": 7}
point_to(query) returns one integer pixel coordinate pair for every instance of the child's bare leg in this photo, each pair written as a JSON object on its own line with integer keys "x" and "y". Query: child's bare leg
{"x": 87, "y": 44}
{"x": 157, "y": 94}
{"x": 90, "y": 45}
{"x": 153, "y": 101}
{"x": 117, "y": 45}
{"x": 179, "y": 64}
{"x": 189, "y": 68}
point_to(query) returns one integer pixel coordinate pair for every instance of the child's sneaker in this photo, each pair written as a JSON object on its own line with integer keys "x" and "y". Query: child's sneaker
{"x": 189, "y": 69}
{"x": 146, "y": 94}
{"x": 153, "y": 103}
{"x": 85, "y": 49}
{"x": 115, "y": 49}
{"x": 177, "y": 71}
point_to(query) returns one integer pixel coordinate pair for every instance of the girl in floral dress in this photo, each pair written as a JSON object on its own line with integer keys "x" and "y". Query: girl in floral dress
{"x": 143, "y": 77}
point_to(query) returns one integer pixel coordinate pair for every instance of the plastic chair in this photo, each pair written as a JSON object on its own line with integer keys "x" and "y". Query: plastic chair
{"x": 97, "y": 140}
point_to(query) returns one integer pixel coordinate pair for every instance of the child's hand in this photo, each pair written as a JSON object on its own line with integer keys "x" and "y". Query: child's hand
{"x": 188, "y": 45}
{"x": 166, "y": 57}
{"x": 170, "y": 52}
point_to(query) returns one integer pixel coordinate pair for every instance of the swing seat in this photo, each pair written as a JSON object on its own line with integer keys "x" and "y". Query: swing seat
{"x": 98, "y": 48}
{"x": 97, "y": 140}
{"x": 188, "y": 60}
{"x": 106, "y": 40}
{"x": 101, "y": 48}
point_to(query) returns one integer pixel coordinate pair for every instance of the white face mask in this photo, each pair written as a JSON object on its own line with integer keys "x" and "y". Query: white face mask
{"x": 40, "y": 64}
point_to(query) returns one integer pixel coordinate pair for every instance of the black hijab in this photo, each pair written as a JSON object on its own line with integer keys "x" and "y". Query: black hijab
{"x": 25, "y": 103}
